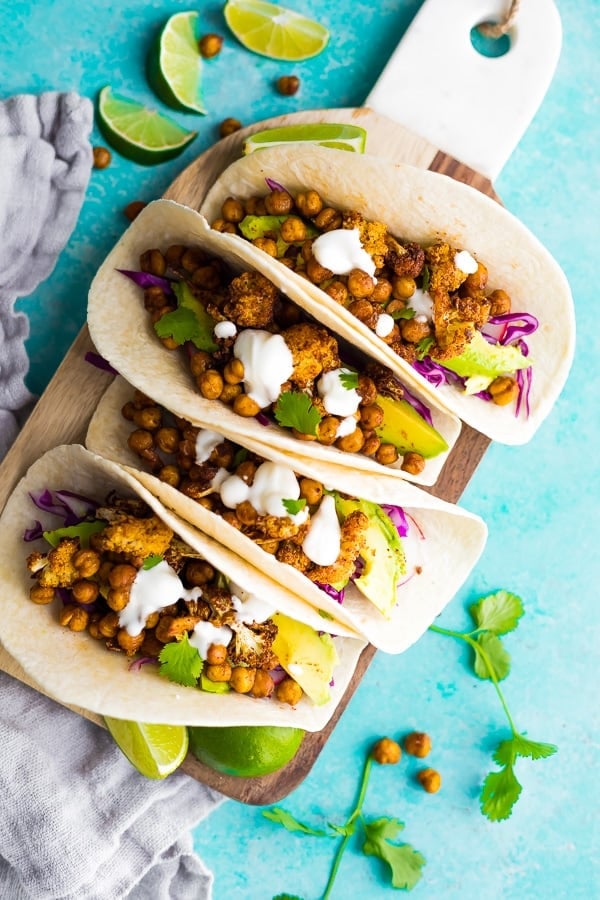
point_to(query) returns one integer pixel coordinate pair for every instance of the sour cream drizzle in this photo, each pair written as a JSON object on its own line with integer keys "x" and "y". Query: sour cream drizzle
{"x": 340, "y": 251}
{"x": 273, "y": 483}
{"x": 384, "y": 325}
{"x": 422, "y": 304}
{"x": 206, "y": 442}
{"x": 465, "y": 262}
{"x": 151, "y": 591}
{"x": 224, "y": 330}
{"x": 337, "y": 400}
{"x": 346, "y": 427}
{"x": 322, "y": 544}
{"x": 267, "y": 361}
{"x": 205, "y": 634}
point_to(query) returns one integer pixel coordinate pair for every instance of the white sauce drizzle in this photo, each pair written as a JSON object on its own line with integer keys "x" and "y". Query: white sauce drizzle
{"x": 337, "y": 400}
{"x": 273, "y": 483}
{"x": 220, "y": 477}
{"x": 249, "y": 607}
{"x": 340, "y": 251}
{"x": 151, "y": 591}
{"x": 205, "y": 634}
{"x": 206, "y": 442}
{"x": 465, "y": 262}
{"x": 384, "y": 325}
{"x": 346, "y": 427}
{"x": 422, "y": 304}
{"x": 224, "y": 330}
{"x": 267, "y": 362}
{"x": 322, "y": 544}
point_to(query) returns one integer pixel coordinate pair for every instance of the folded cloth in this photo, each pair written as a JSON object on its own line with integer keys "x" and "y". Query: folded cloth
{"x": 77, "y": 822}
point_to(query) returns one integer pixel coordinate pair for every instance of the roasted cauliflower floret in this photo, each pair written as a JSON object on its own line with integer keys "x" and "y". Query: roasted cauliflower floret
{"x": 444, "y": 275}
{"x": 251, "y": 645}
{"x": 292, "y": 553}
{"x": 385, "y": 381}
{"x": 251, "y": 300}
{"x": 405, "y": 260}
{"x": 372, "y": 235}
{"x": 57, "y": 569}
{"x": 354, "y": 534}
{"x": 134, "y": 538}
{"x": 314, "y": 351}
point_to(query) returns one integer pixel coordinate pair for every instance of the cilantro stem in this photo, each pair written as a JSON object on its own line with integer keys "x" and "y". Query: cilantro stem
{"x": 353, "y": 817}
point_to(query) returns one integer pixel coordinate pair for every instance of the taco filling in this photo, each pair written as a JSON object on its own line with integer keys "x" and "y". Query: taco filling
{"x": 335, "y": 540}
{"x": 250, "y": 347}
{"x": 125, "y": 577}
{"x": 428, "y": 302}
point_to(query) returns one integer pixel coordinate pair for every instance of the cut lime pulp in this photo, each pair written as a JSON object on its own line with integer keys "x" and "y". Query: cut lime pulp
{"x": 174, "y": 65}
{"x": 339, "y": 137}
{"x": 139, "y": 133}
{"x": 274, "y": 31}
{"x": 154, "y": 750}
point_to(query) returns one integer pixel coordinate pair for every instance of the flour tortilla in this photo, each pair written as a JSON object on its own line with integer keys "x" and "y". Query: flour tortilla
{"x": 425, "y": 207}
{"x": 454, "y": 538}
{"x": 75, "y": 669}
{"x": 122, "y": 332}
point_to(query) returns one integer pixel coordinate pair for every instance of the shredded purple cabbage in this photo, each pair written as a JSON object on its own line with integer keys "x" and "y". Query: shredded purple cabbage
{"x": 277, "y": 674}
{"x": 512, "y": 330}
{"x": 398, "y": 517}
{"x": 137, "y": 664}
{"x": 60, "y": 503}
{"x": 418, "y": 405}
{"x": 262, "y": 419}
{"x": 434, "y": 373}
{"x": 34, "y": 533}
{"x": 146, "y": 280}
{"x": 338, "y": 596}
{"x": 274, "y": 185}
{"x": 96, "y": 360}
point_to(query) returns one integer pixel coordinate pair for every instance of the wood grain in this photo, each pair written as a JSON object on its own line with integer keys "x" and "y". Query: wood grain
{"x": 62, "y": 414}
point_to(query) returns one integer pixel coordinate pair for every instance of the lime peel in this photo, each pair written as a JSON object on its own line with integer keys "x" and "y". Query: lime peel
{"x": 174, "y": 64}
{"x": 326, "y": 134}
{"x": 154, "y": 750}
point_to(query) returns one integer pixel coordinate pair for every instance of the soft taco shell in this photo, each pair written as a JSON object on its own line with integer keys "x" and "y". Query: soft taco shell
{"x": 425, "y": 207}
{"x": 454, "y": 538}
{"x": 121, "y": 330}
{"x": 77, "y": 670}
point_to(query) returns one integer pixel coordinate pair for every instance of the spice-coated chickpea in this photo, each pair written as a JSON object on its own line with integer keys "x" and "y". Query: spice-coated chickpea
{"x": 278, "y": 203}
{"x": 242, "y": 679}
{"x": 311, "y": 491}
{"x": 149, "y": 418}
{"x": 246, "y": 471}
{"x": 93, "y": 626}
{"x": 288, "y": 85}
{"x": 233, "y": 372}
{"x": 367, "y": 390}
{"x": 151, "y": 646}
{"x": 118, "y": 598}
{"x": 476, "y": 281}
{"x": 122, "y": 575}
{"x": 87, "y": 562}
{"x": 224, "y": 227}
{"x": 217, "y": 654}
{"x": 371, "y": 445}
{"x": 309, "y": 203}
{"x": 360, "y": 284}
{"x": 102, "y": 157}
{"x": 387, "y": 454}
{"x": 200, "y": 362}
{"x": 154, "y": 298}
{"x": 413, "y": 463}
{"x": 382, "y": 291}
{"x": 364, "y": 311}
{"x": 206, "y": 277}
{"x": 270, "y": 546}
{"x": 267, "y": 245}
{"x": 218, "y": 673}
{"x": 303, "y": 436}
{"x": 417, "y": 743}
{"x": 199, "y": 572}
{"x": 173, "y": 254}
{"x": 152, "y": 620}
{"x": 191, "y": 258}
{"x": 503, "y": 390}
{"x": 243, "y": 405}
{"x": 414, "y": 331}
{"x": 500, "y": 303}
{"x": 338, "y": 291}
{"x": 140, "y": 440}
{"x": 73, "y": 617}
{"x": 327, "y": 430}
{"x": 255, "y": 206}
{"x": 430, "y": 779}
{"x": 130, "y": 643}
{"x": 246, "y": 513}
{"x": 230, "y": 392}
{"x": 232, "y": 210}
{"x": 133, "y": 209}
{"x": 170, "y": 475}
{"x": 210, "y": 384}
{"x": 41, "y": 595}
{"x": 167, "y": 439}
{"x": 293, "y": 230}
{"x": 386, "y": 751}
{"x": 263, "y": 685}
{"x": 153, "y": 262}
{"x": 316, "y": 272}
{"x": 351, "y": 443}
{"x": 210, "y": 45}
{"x": 403, "y": 287}
{"x": 371, "y": 416}
{"x": 85, "y": 591}
{"x": 328, "y": 219}
{"x": 229, "y": 126}
{"x": 109, "y": 625}
{"x": 288, "y": 691}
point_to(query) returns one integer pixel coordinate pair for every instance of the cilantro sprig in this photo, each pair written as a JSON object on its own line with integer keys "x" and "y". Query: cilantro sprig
{"x": 378, "y": 837}
{"x": 293, "y": 507}
{"x": 180, "y": 662}
{"x": 295, "y": 410}
{"x": 349, "y": 380}
{"x": 495, "y": 615}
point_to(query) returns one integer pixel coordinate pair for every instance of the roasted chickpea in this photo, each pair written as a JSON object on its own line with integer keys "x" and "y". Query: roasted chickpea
{"x": 154, "y": 298}
{"x": 199, "y": 572}
{"x": 229, "y": 126}
{"x": 170, "y": 475}
{"x": 87, "y": 562}
{"x": 122, "y": 576}
{"x": 153, "y": 262}
{"x": 413, "y": 463}
{"x": 306, "y": 250}
{"x": 246, "y": 513}
{"x": 217, "y": 655}
{"x": 367, "y": 390}
{"x": 73, "y": 617}
{"x": 191, "y": 258}
{"x": 85, "y": 591}
{"x": 219, "y": 673}
{"x": 364, "y": 311}
{"x": 245, "y": 406}
{"x": 210, "y": 384}
{"x": 151, "y": 646}
{"x": 382, "y": 291}
{"x": 311, "y": 491}
{"x": 242, "y": 679}
{"x": 270, "y": 546}
{"x": 417, "y": 743}
{"x": 167, "y": 439}
{"x": 206, "y": 277}
{"x": 360, "y": 284}
{"x": 371, "y": 445}
{"x": 293, "y": 230}
{"x": 152, "y": 620}
{"x": 387, "y": 454}
{"x": 133, "y": 209}
{"x": 309, "y": 203}
{"x": 278, "y": 203}
{"x": 210, "y": 45}
{"x": 174, "y": 253}
{"x": 93, "y": 626}
{"x": 224, "y": 227}
{"x": 476, "y": 281}
{"x": 102, "y": 157}
{"x": 403, "y": 287}
{"x": 109, "y": 625}
{"x": 246, "y": 471}
{"x": 327, "y": 430}
{"x": 233, "y": 372}
{"x": 386, "y": 752}
{"x": 288, "y": 85}
{"x": 430, "y": 779}
{"x": 230, "y": 392}
{"x": 130, "y": 643}
{"x": 338, "y": 291}
{"x": 255, "y": 206}
{"x": 288, "y": 691}
{"x": 503, "y": 390}
{"x": 328, "y": 219}
{"x": 230, "y": 517}
{"x": 263, "y": 685}
{"x": 232, "y": 210}
{"x": 303, "y": 436}
{"x": 118, "y": 598}
{"x": 200, "y": 362}
{"x": 395, "y": 306}
{"x": 268, "y": 245}
{"x": 148, "y": 418}
{"x": 413, "y": 331}
{"x": 41, "y": 595}
{"x": 500, "y": 303}
{"x": 351, "y": 443}
{"x": 316, "y": 272}
{"x": 371, "y": 416}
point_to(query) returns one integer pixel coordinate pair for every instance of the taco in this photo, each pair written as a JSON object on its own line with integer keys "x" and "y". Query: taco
{"x": 125, "y": 592}
{"x": 374, "y": 553}
{"x": 185, "y": 315}
{"x": 453, "y": 293}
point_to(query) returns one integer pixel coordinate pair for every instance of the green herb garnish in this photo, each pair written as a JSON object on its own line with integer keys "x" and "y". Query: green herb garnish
{"x": 180, "y": 662}
{"x": 426, "y": 273}
{"x": 151, "y": 561}
{"x": 349, "y": 380}
{"x": 83, "y": 531}
{"x": 293, "y": 507}
{"x": 495, "y": 615}
{"x": 407, "y": 313}
{"x": 295, "y": 410}
{"x": 241, "y": 456}
{"x": 424, "y": 346}
{"x": 189, "y": 322}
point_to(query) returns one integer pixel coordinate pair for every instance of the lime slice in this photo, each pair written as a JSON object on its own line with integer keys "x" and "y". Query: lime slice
{"x": 340, "y": 137}
{"x": 245, "y": 750}
{"x": 154, "y": 750}
{"x": 139, "y": 133}
{"x": 174, "y": 65}
{"x": 275, "y": 31}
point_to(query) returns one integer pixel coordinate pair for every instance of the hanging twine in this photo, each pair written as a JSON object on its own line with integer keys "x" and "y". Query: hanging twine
{"x": 497, "y": 30}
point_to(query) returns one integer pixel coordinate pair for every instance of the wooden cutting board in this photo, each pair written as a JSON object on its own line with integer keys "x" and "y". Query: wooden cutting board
{"x": 62, "y": 414}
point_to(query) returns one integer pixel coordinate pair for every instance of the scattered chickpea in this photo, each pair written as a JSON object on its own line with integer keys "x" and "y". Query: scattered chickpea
{"x": 309, "y": 203}
{"x": 367, "y": 390}
{"x": 288, "y": 85}
{"x": 338, "y": 291}
{"x": 371, "y": 416}
{"x": 414, "y": 331}
{"x": 148, "y": 418}
{"x": 199, "y": 572}
{"x": 130, "y": 643}
{"x": 255, "y": 206}
{"x": 73, "y": 617}
{"x": 403, "y": 287}
{"x": 413, "y": 463}
{"x": 386, "y": 752}
{"x": 316, "y": 272}
{"x": 242, "y": 679}
{"x": 500, "y": 303}
{"x": 122, "y": 576}
{"x": 430, "y": 779}
{"x": 417, "y": 743}
{"x": 371, "y": 445}
{"x": 174, "y": 253}
{"x": 200, "y": 362}
{"x": 382, "y": 291}
{"x": 233, "y": 372}
{"x": 477, "y": 280}
{"x": 351, "y": 443}
{"x": 167, "y": 439}
{"x": 109, "y": 625}
{"x": 246, "y": 513}
{"x": 118, "y": 598}
{"x": 102, "y": 157}
{"x": 267, "y": 245}
{"x": 360, "y": 284}
{"x": 288, "y": 691}
{"x": 327, "y": 430}
{"x": 364, "y": 311}
{"x": 328, "y": 219}
{"x": 153, "y": 261}
{"x": 207, "y": 277}
{"x": 387, "y": 454}
{"x": 230, "y": 392}
{"x": 133, "y": 209}
{"x": 170, "y": 475}
{"x": 229, "y": 126}
{"x": 210, "y": 45}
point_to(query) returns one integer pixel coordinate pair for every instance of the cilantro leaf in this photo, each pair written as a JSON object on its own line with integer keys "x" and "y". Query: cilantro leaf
{"x": 180, "y": 662}
{"x": 180, "y": 324}
{"x": 406, "y": 313}
{"x": 287, "y": 897}
{"x": 295, "y": 410}
{"x": 491, "y": 646}
{"x": 424, "y": 346}
{"x": 346, "y": 830}
{"x": 294, "y": 506}
{"x": 241, "y": 456}
{"x": 533, "y": 749}
{"x": 405, "y": 862}
{"x": 189, "y": 322}
{"x": 426, "y": 272}
{"x": 151, "y": 561}
{"x": 83, "y": 531}
{"x": 499, "y": 612}
{"x": 283, "y": 817}
{"x": 349, "y": 380}
{"x": 499, "y": 793}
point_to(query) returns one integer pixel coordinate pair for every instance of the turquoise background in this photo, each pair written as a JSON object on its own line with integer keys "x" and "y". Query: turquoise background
{"x": 540, "y": 501}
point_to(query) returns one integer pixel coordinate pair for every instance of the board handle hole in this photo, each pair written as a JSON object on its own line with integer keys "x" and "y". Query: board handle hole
{"x": 489, "y": 46}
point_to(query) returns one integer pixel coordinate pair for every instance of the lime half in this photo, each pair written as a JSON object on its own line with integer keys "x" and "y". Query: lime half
{"x": 340, "y": 137}
{"x": 139, "y": 133}
{"x": 275, "y": 31}
{"x": 174, "y": 66}
{"x": 245, "y": 750}
{"x": 154, "y": 750}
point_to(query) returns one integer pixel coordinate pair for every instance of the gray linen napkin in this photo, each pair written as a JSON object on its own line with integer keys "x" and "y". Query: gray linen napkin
{"x": 77, "y": 822}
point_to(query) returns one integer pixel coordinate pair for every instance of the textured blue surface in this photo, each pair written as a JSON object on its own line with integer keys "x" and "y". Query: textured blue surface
{"x": 540, "y": 501}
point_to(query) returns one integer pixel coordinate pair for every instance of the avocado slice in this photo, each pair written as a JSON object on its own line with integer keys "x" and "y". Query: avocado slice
{"x": 480, "y": 362}
{"x": 213, "y": 687}
{"x": 309, "y": 658}
{"x": 253, "y": 227}
{"x": 204, "y": 339}
{"x": 383, "y": 554}
{"x": 403, "y": 427}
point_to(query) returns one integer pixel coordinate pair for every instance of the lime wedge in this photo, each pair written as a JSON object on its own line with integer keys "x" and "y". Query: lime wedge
{"x": 139, "y": 133}
{"x": 275, "y": 31}
{"x": 174, "y": 65}
{"x": 154, "y": 750}
{"x": 340, "y": 137}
